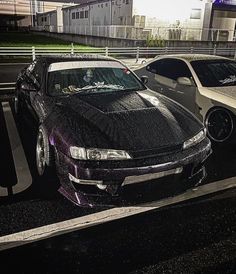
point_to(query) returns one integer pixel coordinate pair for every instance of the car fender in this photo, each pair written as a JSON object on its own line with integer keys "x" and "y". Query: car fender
{"x": 208, "y": 98}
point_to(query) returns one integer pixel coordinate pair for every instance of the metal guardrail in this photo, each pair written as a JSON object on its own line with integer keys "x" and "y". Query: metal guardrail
{"x": 134, "y": 52}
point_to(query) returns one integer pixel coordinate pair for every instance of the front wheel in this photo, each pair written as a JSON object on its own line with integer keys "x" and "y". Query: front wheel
{"x": 220, "y": 125}
{"x": 44, "y": 153}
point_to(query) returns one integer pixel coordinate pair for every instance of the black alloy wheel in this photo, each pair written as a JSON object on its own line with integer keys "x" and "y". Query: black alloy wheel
{"x": 219, "y": 124}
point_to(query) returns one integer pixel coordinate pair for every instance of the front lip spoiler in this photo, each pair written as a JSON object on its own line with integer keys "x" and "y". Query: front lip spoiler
{"x": 105, "y": 200}
{"x": 117, "y": 176}
{"x": 133, "y": 179}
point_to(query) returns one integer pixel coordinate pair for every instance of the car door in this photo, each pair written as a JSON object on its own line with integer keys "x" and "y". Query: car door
{"x": 165, "y": 79}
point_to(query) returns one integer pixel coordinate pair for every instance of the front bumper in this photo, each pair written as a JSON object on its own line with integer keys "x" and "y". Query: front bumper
{"x": 80, "y": 179}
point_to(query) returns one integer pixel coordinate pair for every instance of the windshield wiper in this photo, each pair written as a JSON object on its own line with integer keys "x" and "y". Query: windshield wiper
{"x": 134, "y": 89}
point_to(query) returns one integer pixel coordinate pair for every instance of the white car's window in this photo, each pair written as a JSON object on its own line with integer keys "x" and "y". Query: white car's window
{"x": 170, "y": 68}
{"x": 215, "y": 73}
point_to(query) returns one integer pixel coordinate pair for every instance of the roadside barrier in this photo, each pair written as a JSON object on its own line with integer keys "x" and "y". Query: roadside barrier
{"x": 126, "y": 52}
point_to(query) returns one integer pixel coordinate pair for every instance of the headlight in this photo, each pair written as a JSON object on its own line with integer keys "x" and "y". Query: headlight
{"x": 97, "y": 154}
{"x": 195, "y": 140}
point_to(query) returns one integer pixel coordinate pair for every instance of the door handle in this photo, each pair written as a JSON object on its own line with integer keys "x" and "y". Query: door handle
{"x": 180, "y": 92}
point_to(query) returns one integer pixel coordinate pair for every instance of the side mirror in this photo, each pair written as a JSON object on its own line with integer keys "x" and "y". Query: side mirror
{"x": 28, "y": 87}
{"x": 184, "y": 81}
{"x": 144, "y": 79}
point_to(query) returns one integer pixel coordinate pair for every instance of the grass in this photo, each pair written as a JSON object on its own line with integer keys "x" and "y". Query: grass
{"x": 27, "y": 39}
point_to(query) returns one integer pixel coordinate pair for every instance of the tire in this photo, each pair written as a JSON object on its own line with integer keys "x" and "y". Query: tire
{"x": 44, "y": 153}
{"x": 220, "y": 125}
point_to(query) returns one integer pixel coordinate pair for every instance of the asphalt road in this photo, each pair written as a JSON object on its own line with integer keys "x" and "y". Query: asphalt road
{"x": 196, "y": 236}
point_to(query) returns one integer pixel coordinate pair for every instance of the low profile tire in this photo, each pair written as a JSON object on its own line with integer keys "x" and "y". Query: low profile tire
{"x": 220, "y": 124}
{"x": 44, "y": 153}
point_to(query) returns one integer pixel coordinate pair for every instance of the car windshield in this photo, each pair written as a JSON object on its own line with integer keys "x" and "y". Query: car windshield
{"x": 215, "y": 73}
{"x": 82, "y": 77}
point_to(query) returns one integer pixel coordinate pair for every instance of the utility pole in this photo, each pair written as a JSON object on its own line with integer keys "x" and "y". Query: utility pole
{"x": 111, "y": 11}
{"x": 15, "y": 18}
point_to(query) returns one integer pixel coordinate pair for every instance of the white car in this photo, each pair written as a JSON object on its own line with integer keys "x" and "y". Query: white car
{"x": 204, "y": 84}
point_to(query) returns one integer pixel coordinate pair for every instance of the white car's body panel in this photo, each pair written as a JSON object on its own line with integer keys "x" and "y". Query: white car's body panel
{"x": 197, "y": 98}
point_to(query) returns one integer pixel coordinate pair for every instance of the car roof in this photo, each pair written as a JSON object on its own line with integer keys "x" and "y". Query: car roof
{"x": 49, "y": 59}
{"x": 194, "y": 57}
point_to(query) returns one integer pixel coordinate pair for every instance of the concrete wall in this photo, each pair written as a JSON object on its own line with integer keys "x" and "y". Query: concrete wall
{"x": 94, "y": 40}
{"x": 114, "y": 42}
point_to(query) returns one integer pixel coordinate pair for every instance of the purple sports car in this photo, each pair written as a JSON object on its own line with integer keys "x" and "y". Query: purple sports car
{"x": 102, "y": 129}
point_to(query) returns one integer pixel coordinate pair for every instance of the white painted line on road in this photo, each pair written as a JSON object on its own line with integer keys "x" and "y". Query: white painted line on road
{"x": 13, "y": 64}
{"x": 3, "y": 191}
{"x": 24, "y": 179}
{"x": 9, "y": 88}
{"x": 4, "y": 84}
{"x": 44, "y": 232}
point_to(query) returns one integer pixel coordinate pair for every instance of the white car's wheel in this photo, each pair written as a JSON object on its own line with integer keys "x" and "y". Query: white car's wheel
{"x": 220, "y": 124}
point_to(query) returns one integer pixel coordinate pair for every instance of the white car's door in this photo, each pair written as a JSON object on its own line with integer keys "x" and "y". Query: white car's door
{"x": 173, "y": 79}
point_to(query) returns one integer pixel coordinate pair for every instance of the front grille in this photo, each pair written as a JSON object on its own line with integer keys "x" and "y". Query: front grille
{"x": 161, "y": 151}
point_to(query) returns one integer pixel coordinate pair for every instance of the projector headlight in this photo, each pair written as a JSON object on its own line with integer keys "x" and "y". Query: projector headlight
{"x": 97, "y": 154}
{"x": 195, "y": 140}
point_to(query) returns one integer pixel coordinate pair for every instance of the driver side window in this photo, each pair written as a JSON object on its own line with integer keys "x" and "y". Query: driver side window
{"x": 168, "y": 70}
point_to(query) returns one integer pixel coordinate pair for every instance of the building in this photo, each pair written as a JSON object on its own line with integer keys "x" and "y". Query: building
{"x": 139, "y": 19}
{"x": 22, "y": 13}
{"x": 51, "y": 21}
{"x": 220, "y": 19}
{"x": 101, "y": 18}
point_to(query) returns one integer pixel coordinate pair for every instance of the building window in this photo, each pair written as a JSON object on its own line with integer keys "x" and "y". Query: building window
{"x": 86, "y": 14}
{"x": 127, "y": 2}
{"x": 195, "y": 14}
{"x": 106, "y": 5}
{"x": 82, "y": 14}
{"x": 73, "y": 15}
{"x": 77, "y": 15}
{"x": 102, "y": 6}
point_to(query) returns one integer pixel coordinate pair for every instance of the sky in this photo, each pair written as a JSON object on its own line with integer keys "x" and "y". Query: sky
{"x": 166, "y": 9}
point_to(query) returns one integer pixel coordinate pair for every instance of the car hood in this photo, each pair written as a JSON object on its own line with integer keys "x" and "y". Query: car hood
{"x": 128, "y": 120}
{"x": 224, "y": 95}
